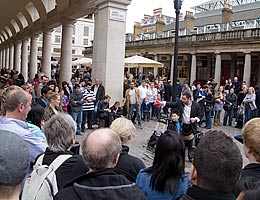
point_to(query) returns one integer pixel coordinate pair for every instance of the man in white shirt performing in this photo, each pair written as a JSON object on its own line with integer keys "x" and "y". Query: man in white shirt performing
{"x": 189, "y": 112}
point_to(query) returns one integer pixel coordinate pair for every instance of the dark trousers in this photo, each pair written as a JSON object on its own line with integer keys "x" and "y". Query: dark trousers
{"x": 228, "y": 116}
{"x": 86, "y": 116}
{"x": 191, "y": 148}
{"x": 208, "y": 119}
{"x": 146, "y": 115}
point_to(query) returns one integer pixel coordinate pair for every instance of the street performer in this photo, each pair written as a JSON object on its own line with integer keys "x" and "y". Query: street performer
{"x": 189, "y": 113}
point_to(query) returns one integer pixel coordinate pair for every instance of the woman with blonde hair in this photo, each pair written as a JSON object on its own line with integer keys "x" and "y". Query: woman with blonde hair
{"x": 127, "y": 165}
{"x": 54, "y": 106}
{"x": 251, "y": 142}
{"x": 249, "y": 104}
{"x": 219, "y": 99}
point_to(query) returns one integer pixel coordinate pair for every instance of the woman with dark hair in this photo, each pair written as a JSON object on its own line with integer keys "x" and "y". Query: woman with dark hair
{"x": 66, "y": 88}
{"x": 35, "y": 121}
{"x": 166, "y": 178}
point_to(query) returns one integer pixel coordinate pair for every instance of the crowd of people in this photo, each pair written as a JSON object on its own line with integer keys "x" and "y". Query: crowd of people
{"x": 39, "y": 121}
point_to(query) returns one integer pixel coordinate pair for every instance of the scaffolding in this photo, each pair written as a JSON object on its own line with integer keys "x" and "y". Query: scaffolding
{"x": 219, "y": 4}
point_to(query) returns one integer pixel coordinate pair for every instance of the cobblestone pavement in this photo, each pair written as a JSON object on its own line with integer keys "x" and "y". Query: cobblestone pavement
{"x": 138, "y": 143}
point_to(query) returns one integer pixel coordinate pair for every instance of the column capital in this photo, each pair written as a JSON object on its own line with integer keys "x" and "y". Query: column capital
{"x": 25, "y": 39}
{"x": 47, "y": 30}
{"x": 247, "y": 52}
{"x": 193, "y": 52}
{"x": 123, "y": 2}
{"x": 34, "y": 35}
{"x": 18, "y": 42}
{"x": 67, "y": 21}
{"x": 217, "y": 52}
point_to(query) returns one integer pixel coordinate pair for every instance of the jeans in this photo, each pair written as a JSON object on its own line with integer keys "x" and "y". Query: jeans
{"x": 95, "y": 114}
{"x": 131, "y": 110}
{"x": 77, "y": 117}
{"x": 248, "y": 114}
{"x": 228, "y": 116}
{"x": 208, "y": 119}
{"x": 217, "y": 114}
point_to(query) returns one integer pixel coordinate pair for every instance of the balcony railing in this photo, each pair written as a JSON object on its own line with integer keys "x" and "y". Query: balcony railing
{"x": 205, "y": 38}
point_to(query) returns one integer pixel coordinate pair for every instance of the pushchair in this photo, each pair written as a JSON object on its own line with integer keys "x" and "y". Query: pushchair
{"x": 160, "y": 128}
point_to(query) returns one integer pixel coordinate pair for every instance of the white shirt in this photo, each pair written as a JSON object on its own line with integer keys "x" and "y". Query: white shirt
{"x": 142, "y": 91}
{"x": 96, "y": 89}
{"x": 132, "y": 96}
{"x": 186, "y": 114}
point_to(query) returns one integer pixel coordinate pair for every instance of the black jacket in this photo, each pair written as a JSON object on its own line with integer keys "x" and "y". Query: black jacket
{"x": 69, "y": 170}
{"x": 168, "y": 92}
{"x": 128, "y": 165}
{"x": 232, "y": 98}
{"x": 198, "y": 193}
{"x": 105, "y": 184}
{"x": 250, "y": 170}
{"x": 195, "y": 111}
{"x": 101, "y": 106}
{"x": 100, "y": 95}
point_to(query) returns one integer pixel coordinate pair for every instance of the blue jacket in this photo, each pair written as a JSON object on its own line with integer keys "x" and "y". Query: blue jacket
{"x": 143, "y": 182}
{"x": 35, "y": 144}
{"x": 37, "y": 132}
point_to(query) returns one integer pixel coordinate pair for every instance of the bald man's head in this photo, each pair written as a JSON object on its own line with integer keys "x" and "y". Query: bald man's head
{"x": 101, "y": 149}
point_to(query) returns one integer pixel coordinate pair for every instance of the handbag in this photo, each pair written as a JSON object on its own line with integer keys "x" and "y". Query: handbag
{"x": 186, "y": 129}
{"x": 208, "y": 108}
{"x": 227, "y": 106}
{"x": 241, "y": 110}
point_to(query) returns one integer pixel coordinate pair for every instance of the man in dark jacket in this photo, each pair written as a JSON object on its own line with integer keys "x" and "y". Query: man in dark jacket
{"x": 231, "y": 101}
{"x": 101, "y": 150}
{"x": 99, "y": 92}
{"x": 216, "y": 167}
{"x": 189, "y": 114}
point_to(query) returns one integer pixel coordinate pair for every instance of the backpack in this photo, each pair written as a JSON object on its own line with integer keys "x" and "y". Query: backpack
{"x": 42, "y": 184}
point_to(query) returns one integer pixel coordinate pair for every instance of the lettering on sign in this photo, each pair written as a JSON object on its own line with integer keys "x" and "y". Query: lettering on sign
{"x": 117, "y": 15}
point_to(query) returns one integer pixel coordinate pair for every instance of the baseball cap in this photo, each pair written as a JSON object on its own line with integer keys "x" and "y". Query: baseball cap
{"x": 14, "y": 158}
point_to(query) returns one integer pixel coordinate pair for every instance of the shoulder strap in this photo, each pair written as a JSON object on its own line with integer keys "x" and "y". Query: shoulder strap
{"x": 40, "y": 160}
{"x": 58, "y": 161}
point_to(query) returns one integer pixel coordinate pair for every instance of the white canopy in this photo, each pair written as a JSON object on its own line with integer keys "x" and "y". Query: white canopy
{"x": 139, "y": 61}
{"x": 82, "y": 61}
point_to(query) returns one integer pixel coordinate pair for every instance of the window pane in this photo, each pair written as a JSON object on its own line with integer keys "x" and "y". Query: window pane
{"x": 85, "y": 42}
{"x": 57, "y": 38}
{"x": 86, "y": 31}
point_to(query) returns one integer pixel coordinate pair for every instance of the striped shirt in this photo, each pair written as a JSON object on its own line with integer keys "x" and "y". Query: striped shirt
{"x": 90, "y": 103}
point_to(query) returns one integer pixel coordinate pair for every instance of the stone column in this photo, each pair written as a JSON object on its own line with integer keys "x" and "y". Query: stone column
{"x": 1, "y": 58}
{"x": 4, "y": 58}
{"x": 46, "y": 53}
{"x": 66, "y": 49}
{"x": 172, "y": 66}
{"x": 7, "y": 58}
{"x": 25, "y": 45}
{"x": 247, "y": 67}
{"x": 218, "y": 67}
{"x": 193, "y": 68}
{"x": 33, "y": 55}
{"x": 11, "y": 57}
{"x": 17, "y": 56}
{"x": 109, "y": 45}
{"x": 155, "y": 69}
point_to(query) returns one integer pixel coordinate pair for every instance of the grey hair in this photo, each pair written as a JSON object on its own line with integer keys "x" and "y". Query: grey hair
{"x": 12, "y": 96}
{"x": 59, "y": 131}
{"x": 101, "y": 157}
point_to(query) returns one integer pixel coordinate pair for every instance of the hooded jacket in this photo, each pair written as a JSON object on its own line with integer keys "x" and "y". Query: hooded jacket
{"x": 98, "y": 185}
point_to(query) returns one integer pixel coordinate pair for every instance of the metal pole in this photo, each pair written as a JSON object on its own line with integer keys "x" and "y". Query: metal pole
{"x": 177, "y": 6}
